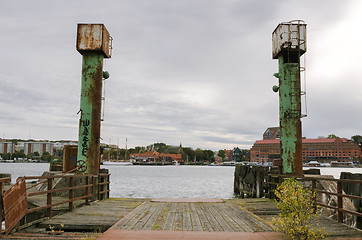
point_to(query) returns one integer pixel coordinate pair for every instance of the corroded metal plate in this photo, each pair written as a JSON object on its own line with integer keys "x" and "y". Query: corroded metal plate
{"x": 15, "y": 204}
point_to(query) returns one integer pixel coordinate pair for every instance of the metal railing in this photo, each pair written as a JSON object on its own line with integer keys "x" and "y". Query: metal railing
{"x": 88, "y": 190}
{"x": 338, "y": 193}
{"x": 48, "y": 180}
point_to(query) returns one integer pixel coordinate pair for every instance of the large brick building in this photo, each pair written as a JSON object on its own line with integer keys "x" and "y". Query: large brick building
{"x": 7, "y": 147}
{"x": 321, "y": 149}
{"x": 40, "y": 147}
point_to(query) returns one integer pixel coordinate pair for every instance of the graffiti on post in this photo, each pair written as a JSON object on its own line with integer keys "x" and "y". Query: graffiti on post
{"x": 85, "y": 139}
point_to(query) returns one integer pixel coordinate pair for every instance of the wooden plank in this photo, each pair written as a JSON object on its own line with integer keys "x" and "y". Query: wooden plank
{"x": 156, "y": 214}
{"x": 240, "y": 218}
{"x": 195, "y": 220}
{"x": 232, "y": 220}
{"x": 206, "y": 226}
{"x": 248, "y": 224}
{"x": 170, "y": 217}
{"x": 145, "y": 217}
{"x": 187, "y": 226}
{"x": 223, "y": 219}
{"x": 160, "y": 221}
{"x": 250, "y": 221}
{"x": 132, "y": 215}
{"x": 130, "y": 220}
{"x": 214, "y": 223}
{"x": 177, "y": 226}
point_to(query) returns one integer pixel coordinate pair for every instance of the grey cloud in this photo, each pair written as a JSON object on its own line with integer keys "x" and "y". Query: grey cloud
{"x": 189, "y": 71}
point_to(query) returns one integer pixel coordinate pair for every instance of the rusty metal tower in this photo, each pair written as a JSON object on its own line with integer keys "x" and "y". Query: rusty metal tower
{"x": 94, "y": 43}
{"x": 289, "y": 44}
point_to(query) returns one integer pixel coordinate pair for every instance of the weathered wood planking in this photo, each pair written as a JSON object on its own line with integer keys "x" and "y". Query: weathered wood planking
{"x": 206, "y": 226}
{"x": 191, "y": 216}
{"x": 170, "y": 217}
{"x": 195, "y": 220}
{"x": 131, "y": 219}
{"x": 187, "y": 226}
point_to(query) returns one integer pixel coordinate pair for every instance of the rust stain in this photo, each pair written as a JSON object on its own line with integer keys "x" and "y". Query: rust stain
{"x": 15, "y": 204}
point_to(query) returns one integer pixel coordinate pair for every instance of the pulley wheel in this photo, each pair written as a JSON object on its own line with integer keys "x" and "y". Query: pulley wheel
{"x": 81, "y": 166}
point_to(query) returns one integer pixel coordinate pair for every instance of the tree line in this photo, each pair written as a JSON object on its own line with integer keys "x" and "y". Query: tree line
{"x": 188, "y": 154}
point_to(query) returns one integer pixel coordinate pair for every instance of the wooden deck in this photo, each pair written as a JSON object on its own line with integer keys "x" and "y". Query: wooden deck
{"x": 171, "y": 219}
{"x": 192, "y": 216}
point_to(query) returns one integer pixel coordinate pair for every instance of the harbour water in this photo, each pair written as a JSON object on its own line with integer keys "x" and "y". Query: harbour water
{"x": 161, "y": 181}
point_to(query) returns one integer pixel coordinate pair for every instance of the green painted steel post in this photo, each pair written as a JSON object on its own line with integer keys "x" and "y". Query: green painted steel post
{"x": 90, "y": 107}
{"x": 94, "y": 43}
{"x": 289, "y": 43}
{"x": 289, "y": 116}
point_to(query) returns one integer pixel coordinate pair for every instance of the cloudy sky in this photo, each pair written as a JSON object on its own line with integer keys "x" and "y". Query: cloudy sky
{"x": 199, "y": 72}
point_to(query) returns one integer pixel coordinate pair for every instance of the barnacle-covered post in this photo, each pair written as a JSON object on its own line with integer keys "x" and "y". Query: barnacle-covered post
{"x": 289, "y": 43}
{"x": 93, "y": 42}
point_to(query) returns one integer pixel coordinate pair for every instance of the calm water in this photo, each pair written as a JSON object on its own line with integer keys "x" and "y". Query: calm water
{"x": 171, "y": 181}
{"x": 161, "y": 181}
{"x": 152, "y": 181}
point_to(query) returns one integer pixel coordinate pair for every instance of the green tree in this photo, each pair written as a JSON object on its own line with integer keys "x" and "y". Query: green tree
{"x": 188, "y": 154}
{"x": 357, "y": 139}
{"x": 59, "y": 153}
{"x": 19, "y": 154}
{"x": 332, "y": 136}
{"x": 133, "y": 150}
{"x": 209, "y": 155}
{"x": 200, "y": 156}
{"x": 46, "y": 156}
{"x": 222, "y": 154}
{"x": 158, "y": 147}
{"x": 140, "y": 149}
{"x": 6, "y": 156}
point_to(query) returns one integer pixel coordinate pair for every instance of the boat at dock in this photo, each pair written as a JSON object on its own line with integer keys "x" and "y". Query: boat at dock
{"x": 342, "y": 164}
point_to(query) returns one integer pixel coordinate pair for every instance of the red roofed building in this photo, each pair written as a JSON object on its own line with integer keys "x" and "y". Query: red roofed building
{"x": 321, "y": 149}
{"x": 153, "y": 156}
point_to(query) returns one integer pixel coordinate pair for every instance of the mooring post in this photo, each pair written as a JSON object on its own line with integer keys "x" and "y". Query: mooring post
{"x": 93, "y": 42}
{"x": 339, "y": 202}
{"x": 288, "y": 45}
{"x": 49, "y": 198}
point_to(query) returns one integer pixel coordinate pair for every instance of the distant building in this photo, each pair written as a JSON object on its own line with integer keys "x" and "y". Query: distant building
{"x": 153, "y": 156}
{"x": 272, "y": 133}
{"x": 40, "y": 147}
{"x": 228, "y": 155}
{"x": 321, "y": 149}
{"x": 7, "y": 147}
{"x": 62, "y": 143}
{"x": 237, "y": 155}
